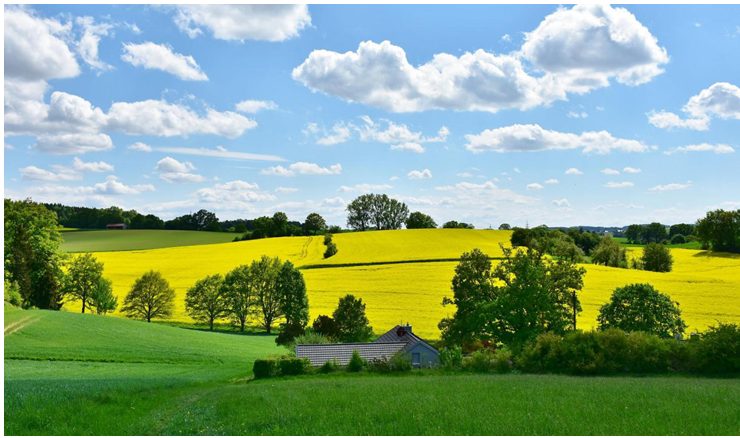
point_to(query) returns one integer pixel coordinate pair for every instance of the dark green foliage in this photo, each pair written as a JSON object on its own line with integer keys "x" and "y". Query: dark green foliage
{"x": 326, "y": 326}
{"x": 609, "y": 253}
{"x": 489, "y": 361}
{"x": 654, "y": 232}
{"x": 356, "y": 363}
{"x": 102, "y": 298}
{"x": 398, "y": 363}
{"x": 309, "y": 336}
{"x": 288, "y": 334}
{"x": 12, "y": 294}
{"x": 83, "y": 276}
{"x": 32, "y": 256}
{"x": 418, "y": 219}
{"x": 351, "y": 321}
{"x": 376, "y": 211}
{"x": 291, "y": 288}
{"x": 329, "y": 366}
{"x": 331, "y": 247}
{"x": 504, "y": 227}
{"x": 639, "y": 307}
{"x": 523, "y": 296}
{"x": 202, "y": 220}
{"x": 314, "y": 224}
{"x": 720, "y": 229}
{"x": 293, "y": 366}
{"x": 633, "y": 233}
{"x": 451, "y": 358}
{"x": 98, "y": 218}
{"x": 268, "y": 302}
{"x": 678, "y": 239}
{"x": 238, "y": 289}
{"x": 456, "y": 224}
{"x": 657, "y": 258}
{"x": 264, "y": 368}
{"x": 150, "y": 297}
{"x": 718, "y": 350}
{"x": 206, "y": 300}
{"x": 683, "y": 229}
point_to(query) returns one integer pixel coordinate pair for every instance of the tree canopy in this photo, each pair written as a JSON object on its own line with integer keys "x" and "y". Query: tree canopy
{"x": 351, "y": 322}
{"x": 640, "y": 307}
{"x": 376, "y": 211}
{"x": 83, "y": 277}
{"x": 150, "y": 297}
{"x": 720, "y": 230}
{"x": 205, "y": 301}
{"x": 418, "y": 219}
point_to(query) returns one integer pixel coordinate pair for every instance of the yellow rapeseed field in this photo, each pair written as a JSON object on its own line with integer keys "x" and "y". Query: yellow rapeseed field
{"x": 707, "y": 287}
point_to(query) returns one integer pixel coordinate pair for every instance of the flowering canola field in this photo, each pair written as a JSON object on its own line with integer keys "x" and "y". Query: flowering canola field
{"x": 707, "y": 287}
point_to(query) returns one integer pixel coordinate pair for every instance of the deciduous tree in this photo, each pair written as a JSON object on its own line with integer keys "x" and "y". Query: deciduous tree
{"x": 150, "y": 297}
{"x": 240, "y": 294}
{"x": 291, "y": 289}
{"x": 83, "y": 276}
{"x": 640, "y": 307}
{"x": 264, "y": 274}
{"x": 102, "y": 298}
{"x": 418, "y": 219}
{"x": 352, "y": 323}
{"x": 205, "y": 301}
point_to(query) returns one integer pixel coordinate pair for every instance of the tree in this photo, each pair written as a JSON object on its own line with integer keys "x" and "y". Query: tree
{"x": 524, "y": 295}
{"x": 657, "y": 258}
{"x": 102, "y": 298}
{"x": 418, "y": 219}
{"x": 634, "y": 233}
{"x": 640, "y": 307}
{"x": 150, "y": 297}
{"x": 378, "y": 211}
{"x": 291, "y": 288}
{"x": 314, "y": 224}
{"x": 683, "y": 229}
{"x": 456, "y": 224}
{"x": 279, "y": 224}
{"x": 83, "y": 276}
{"x": 326, "y": 326}
{"x": 358, "y": 213}
{"x": 719, "y": 229}
{"x": 33, "y": 257}
{"x": 504, "y": 227}
{"x": 352, "y": 323}
{"x": 239, "y": 294}
{"x": 205, "y": 301}
{"x": 654, "y": 232}
{"x": 609, "y": 253}
{"x": 268, "y": 302}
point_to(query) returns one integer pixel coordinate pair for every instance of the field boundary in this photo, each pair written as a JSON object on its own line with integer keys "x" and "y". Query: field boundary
{"x": 18, "y": 325}
{"x": 391, "y": 262}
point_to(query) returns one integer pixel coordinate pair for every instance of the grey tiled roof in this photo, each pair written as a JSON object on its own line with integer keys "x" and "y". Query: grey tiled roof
{"x": 319, "y": 354}
{"x": 402, "y": 334}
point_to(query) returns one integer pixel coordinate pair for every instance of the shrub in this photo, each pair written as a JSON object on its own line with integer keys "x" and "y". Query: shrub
{"x": 331, "y": 249}
{"x": 329, "y": 367}
{"x": 609, "y": 253}
{"x": 639, "y": 307}
{"x": 399, "y": 362}
{"x": 451, "y": 358}
{"x": 656, "y": 258}
{"x": 355, "y": 363}
{"x": 293, "y": 366}
{"x": 718, "y": 350}
{"x": 488, "y": 361}
{"x": 310, "y": 337}
{"x": 543, "y": 354}
{"x": 326, "y": 326}
{"x": 264, "y": 368}
{"x": 678, "y": 239}
{"x": 13, "y": 294}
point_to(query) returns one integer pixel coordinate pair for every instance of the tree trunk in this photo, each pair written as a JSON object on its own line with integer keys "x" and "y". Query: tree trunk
{"x": 211, "y": 323}
{"x": 242, "y": 325}
{"x": 84, "y": 300}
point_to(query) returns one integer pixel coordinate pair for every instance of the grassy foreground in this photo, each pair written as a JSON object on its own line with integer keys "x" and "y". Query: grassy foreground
{"x": 128, "y": 240}
{"x": 73, "y": 374}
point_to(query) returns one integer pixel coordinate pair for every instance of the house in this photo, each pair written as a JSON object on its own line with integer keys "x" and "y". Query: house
{"x": 400, "y": 339}
{"x": 115, "y": 226}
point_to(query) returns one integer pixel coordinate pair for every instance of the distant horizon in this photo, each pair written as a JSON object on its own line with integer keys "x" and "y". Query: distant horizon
{"x": 484, "y": 114}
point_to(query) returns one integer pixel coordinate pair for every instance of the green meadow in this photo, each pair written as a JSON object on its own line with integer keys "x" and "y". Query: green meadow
{"x": 127, "y": 240}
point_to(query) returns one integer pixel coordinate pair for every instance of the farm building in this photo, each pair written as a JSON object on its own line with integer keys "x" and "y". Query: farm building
{"x": 115, "y": 226}
{"x": 400, "y": 339}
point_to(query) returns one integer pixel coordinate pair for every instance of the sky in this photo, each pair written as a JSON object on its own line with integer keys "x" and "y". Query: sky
{"x": 580, "y": 115}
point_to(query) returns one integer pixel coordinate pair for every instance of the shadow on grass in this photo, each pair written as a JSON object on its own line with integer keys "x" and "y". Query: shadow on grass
{"x": 724, "y": 255}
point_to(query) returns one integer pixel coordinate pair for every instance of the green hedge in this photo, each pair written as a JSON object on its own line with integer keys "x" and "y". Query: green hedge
{"x": 281, "y": 366}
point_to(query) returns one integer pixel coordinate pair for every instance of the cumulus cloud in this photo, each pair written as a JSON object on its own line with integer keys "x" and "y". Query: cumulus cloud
{"x": 236, "y": 194}
{"x": 365, "y": 188}
{"x": 618, "y": 185}
{"x": 573, "y": 171}
{"x": 255, "y": 106}
{"x": 532, "y": 137}
{"x": 563, "y": 202}
{"x": 286, "y": 189}
{"x": 670, "y": 187}
{"x": 535, "y": 186}
{"x": 34, "y": 173}
{"x": 73, "y": 143}
{"x": 244, "y": 22}
{"x": 171, "y": 170}
{"x": 303, "y": 168}
{"x": 140, "y": 147}
{"x": 408, "y": 146}
{"x": 87, "y": 46}
{"x": 420, "y": 174}
{"x": 632, "y": 170}
{"x": 703, "y": 147}
{"x": 91, "y": 166}
{"x": 609, "y": 171}
{"x": 340, "y": 133}
{"x": 552, "y": 181}
{"x": 161, "y": 57}
{"x": 720, "y": 100}
{"x": 478, "y": 194}
{"x": 573, "y": 51}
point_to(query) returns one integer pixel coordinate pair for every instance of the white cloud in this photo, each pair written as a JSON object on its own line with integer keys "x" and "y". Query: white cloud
{"x": 286, "y": 189}
{"x": 609, "y": 171}
{"x": 631, "y": 170}
{"x": 255, "y": 106}
{"x": 235, "y": 194}
{"x": 670, "y": 187}
{"x": 303, "y": 168}
{"x": 34, "y": 173}
{"x": 409, "y": 146}
{"x": 486, "y": 193}
{"x": 161, "y": 57}
{"x": 112, "y": 186}
{"x": 535, "y": 186}
{"x": 87, "y": 46}
{"x": 720, "y": 99}
{"x": 140, "y": 147}
{"x": 552, "y": 181}
{"x": 340, "y": 133}
{"x": 91, "y": 166}
{"x": 244, "y": 22}
{"x": 365, "y": 188}
{"x": 703, "y": 147}
{"x": 577, "y": 115}
{"x": 220, "y": 153}
{"x": 420, "y": 174}
{"x": 73, "y": 143}
{"x": 619, "y": 185}
{"x": 574, "y": 50}
{"x": 573, "y": 171}
{"x": 563, "y": 202}
{"x": 171, "y": 170}
{"x": 526, "y": 138}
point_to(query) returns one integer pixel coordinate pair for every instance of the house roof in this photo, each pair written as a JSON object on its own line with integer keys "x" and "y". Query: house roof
{"x": 403, "y": 333}
{"x": 319, "y": 354}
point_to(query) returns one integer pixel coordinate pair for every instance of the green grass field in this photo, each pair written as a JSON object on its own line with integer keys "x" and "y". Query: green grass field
{"x": 127, "y": 240}
{"x": 75, "y": 374}
{"x": 687, "y": 245}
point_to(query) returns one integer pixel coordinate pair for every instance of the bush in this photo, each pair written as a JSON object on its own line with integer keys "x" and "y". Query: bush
{"x": 264, "y": 368}
{"x": 327, "y": 239}
{"x": 329, "y": 367}
{"x": 326, "y": 326}
{"x": 293, "y": 366}
{"x": 355, "y": 363}
{"x": 310, "y": 337}
{"x": 656, "y": 258}
{"x": 13, "y": 294}
{"x": 399, "y": 362}
{"x": 609, "y": 253}
{"x": 718, "y": 350}
{"x": 678, "y": 239}
{"x": 451, "y": 358}
{"x": 288, "y": 334}
{"x": 488, "y": 361}
{"x": 331, "y": 249}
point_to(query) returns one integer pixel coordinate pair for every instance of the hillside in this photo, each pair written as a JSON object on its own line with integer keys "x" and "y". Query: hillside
{"x": 127, "y": 240}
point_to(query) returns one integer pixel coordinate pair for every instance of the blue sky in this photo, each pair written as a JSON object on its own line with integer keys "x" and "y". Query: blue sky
{"x": 590, "y": 115}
